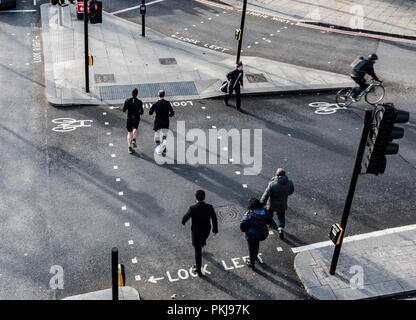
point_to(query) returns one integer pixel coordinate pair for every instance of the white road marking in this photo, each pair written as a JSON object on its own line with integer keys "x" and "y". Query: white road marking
{"x": 123, "y": 208}
{"x": 225, "y": 148}
{"x": 115, "y": 167}
{"x": 213, "y": 127}
{"x": 231, "y": 160}
{"x": 106, "y": 123}
{"x": 248, "y": 47}
{"x": 118, "y": 179}
{"x": 108, "y": 133}
{"x": 271, "y": 232}
{"x": 193, "y": 25}
{"x": 208, "y": 117}
{"x": 279, "y": 249}
{"x": 219, "y": 137}
{"x": 185, "y": 29}
{"x": 355, "y": 238}
{"x": 202, "y": 21}
{"x": 203, "y": 108}
{"x": 120, "y": 193}
{"x": 113, "y": 155}
{"x": 289, "y": 134}
{"x": 131, "y": 242}
{"x": 134, "y": 260}
{"x": 244, "y": 186}
{"x": 127, "y": 224}
{"x": 138, "y": 278}
{"x": 110, "y": 145}
{"x": 136, "y": 7}
{"x": 17, "y": 11}
{"x": 237, "y": 173}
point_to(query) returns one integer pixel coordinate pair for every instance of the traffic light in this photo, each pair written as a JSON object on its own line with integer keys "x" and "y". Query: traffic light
{"x": 237, "y": 34}
{"x": 381, "y": 136}
{"x": 96, "y": 12}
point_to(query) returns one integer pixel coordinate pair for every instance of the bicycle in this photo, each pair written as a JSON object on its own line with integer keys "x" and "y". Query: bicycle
{"x": 372, "y": 95}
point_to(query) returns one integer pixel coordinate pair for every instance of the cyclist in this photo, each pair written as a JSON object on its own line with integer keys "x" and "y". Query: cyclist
{"x": 363, "y": 67}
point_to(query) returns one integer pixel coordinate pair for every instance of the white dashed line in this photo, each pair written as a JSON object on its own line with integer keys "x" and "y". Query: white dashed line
{"x": 213, "y": 127}
{"x": 193, "y": 25}
{"x": 248, "y": 47}
{"x": 120, "y": 193}
{"x": 289, "y": 134}
{"x": 113, "y": 155}
{"x": 279, "y": 249}
{"x": 104, "y": 113}
{"x": 138, "y": 278}
{"x": 127, "y": 224}
{"x": 124, "y": 208}
{"x": 244, "y": 186}
{"x": 203, "y": 108}
{"x": 106, "y": 123}
{"x": 108, "y": 133}
{"x": 237, "y": 173}
{"x": 110, "y": 145}
{"x": 131, "y": 242}
{"x": 225, "y": 148}
{"x": 208, "y": 117}
{"x": 118, "y": 179}
{"x": 134, "y": 260}
{"x": 115, "y": 167}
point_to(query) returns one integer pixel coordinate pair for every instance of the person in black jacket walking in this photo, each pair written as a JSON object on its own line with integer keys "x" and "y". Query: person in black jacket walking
{"x": 254, "y": 224}
{"x": 201, "y": 215}
{"x": 164, "y": 111}
{"x": 278, "y": 190}
{"x": 235, "y": 78}
{"x": 134, "y": 108}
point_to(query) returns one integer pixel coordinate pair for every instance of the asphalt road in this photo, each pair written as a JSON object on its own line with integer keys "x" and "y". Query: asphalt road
{"x": 66, "y": 196}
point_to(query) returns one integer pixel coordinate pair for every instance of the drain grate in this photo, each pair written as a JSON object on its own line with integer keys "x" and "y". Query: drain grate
{"x": 256, "y": 77}
{"x": 228, "y": 213}
{"x": 166, "y": 61}
{"x": 104, "y": 78}
{"x": 149, "y": 90}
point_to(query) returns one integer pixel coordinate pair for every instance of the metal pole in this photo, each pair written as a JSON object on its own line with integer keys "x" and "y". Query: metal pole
{"x": 143, "y": 21}
{"x": 240, "y": 42}
{"x": 114, "y": 272}
{"x": 87, "y": 75}
{"x": 60, "y": 13}
{"x": 351, "y": 190}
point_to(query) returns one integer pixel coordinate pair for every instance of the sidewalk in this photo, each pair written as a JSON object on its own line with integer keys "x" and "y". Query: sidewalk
{"x": 395, "y": 17}
{"x": 124, "y": 293}
{"x": 387, "y": 259}
{"x": 123, "y": 59}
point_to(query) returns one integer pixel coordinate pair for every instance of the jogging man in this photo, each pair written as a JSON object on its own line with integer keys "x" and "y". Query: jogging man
{"x": 164, "y": 111}
{"x": 361, "y": 68}
{"x": 134, "y": 109}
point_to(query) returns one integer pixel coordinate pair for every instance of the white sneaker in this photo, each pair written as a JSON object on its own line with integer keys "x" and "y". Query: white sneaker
{"x": 160, "y": 148}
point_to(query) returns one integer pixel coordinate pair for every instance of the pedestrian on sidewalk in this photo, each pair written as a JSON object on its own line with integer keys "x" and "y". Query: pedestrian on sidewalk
{"x": 164, "y": 111}
{"x": 235, "y": 80}
{"x": 278, "y": 190}
{"x": 134, "y": 108}
{"x": 201, "y": 215}
{"x": 254, "y": 224}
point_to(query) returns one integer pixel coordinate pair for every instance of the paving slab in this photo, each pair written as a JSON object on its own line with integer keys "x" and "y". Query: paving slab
{"x": 190, "y": 72}
{"x": 382, "y": 265}
{"x": 124, "y": 293}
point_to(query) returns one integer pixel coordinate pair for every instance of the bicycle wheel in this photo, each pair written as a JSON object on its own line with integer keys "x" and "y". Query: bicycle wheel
{"x": 343, "y": 97}
{"x": 375, "y": 94}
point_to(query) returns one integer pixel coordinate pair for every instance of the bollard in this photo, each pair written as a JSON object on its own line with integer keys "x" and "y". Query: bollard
{"x": 114, "y": 272}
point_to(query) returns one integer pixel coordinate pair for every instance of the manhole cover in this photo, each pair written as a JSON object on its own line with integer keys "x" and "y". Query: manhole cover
{"x": 104, "y": 78}
{"x": 167, "y": 61}
{"x": 256, "y": 77}
{"x": 228, "y": 213}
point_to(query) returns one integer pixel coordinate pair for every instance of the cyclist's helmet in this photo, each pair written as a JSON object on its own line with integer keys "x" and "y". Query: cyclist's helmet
{"x": 372, "y": 57}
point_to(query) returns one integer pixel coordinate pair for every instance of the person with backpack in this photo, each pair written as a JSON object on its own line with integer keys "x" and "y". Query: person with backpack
{"x": 361, "y": 67}
{"x": 254, "y": 224}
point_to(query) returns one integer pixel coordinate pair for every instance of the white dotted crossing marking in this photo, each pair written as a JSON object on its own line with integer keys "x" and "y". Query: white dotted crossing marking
{"x": 121, "y": 193}
{"x": 131, "y": 242}
{"x": 115, "y": 167}
{"x": 208, "y": 117}
{"x": 138, "y": 278}
{"x": 248, "y": 47}
{"x": 134, "y": 260}
{"x": 202, "y": 21}
{"x": 193, "y": 25}
{"x": 213, "y": 127}
{"x": 27, "y": 63}
{"x": 245, "y": 186}
{"x": 279, "y": 249}
{"x": 256, "y": 42}
{"x": 289, "y": 134}
{"x": 209, "y": 18}
{"x": 124, "y": 208}
{"x": 108, "y": 133}
{"x": 225, "y": 148}
{"x": 271, "y": 232}
{"x": 185, "y": 29}
{"x": 237, "y": 173}
{"x": 203, "y": 108}
{"x": 110, "y": 145}
{"x": 104, "y": 113}
{"x": 127, "y": 224}
{"x": 106, "y": 123}
{"x": 118, "y": 179}
{"x": 113, "y": 155}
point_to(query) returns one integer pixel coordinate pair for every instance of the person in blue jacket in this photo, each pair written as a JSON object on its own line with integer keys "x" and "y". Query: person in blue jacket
{"x": 254, "y": 224}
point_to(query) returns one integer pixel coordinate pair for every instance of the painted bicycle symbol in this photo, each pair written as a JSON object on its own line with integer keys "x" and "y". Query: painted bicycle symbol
{"x": 69, "y": 124}
{"x": 326, "y": 107}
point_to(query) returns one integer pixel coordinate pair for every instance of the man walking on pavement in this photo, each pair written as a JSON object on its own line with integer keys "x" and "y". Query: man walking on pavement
{"x": 134, "y": 108}
{"x": 278, "y": 190}
{"x": 201, "y": 215}
{"x": 235, "y": 78}
{"x": 163, "y": 110}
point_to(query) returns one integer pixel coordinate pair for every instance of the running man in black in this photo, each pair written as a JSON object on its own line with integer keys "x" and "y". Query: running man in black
{"x": 164, "y": 111}
{"x": 134, "y": 109}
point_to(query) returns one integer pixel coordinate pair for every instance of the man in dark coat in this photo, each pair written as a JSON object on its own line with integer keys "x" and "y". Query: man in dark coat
{"x": 235, "y": 78}
{"x": 134, "y": 108}
{"x": 201, "y": 215}
{"x": 278, "y": 190}
{"x": 164, "y": 111}
{"x": 367, "y": 67}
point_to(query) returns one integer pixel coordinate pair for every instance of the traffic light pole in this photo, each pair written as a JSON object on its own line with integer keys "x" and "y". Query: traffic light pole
{"x": 143, "y": 21}
{"x": 240, "y": 42}
{"x": 87, "y": 75}
{"x": 351, "y": 190}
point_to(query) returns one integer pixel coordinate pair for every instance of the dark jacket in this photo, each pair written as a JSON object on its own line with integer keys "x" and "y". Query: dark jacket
{"x": 201, "y": 215}
{"x": 163, "y": 111}
{"x": 278, "y": 190}
{"x": 254, "y": 224}
{"x": 134, "y": 108}
{"x": 367, "y": 68}
{"x": 233, "y": 76}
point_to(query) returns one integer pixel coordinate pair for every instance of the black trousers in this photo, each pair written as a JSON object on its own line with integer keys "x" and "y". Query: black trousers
{"x": 253, "y": 249}
{"x": 238, "y": 95}
{"x": 198, "y": 257}
{"x": 362, "y": 86}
